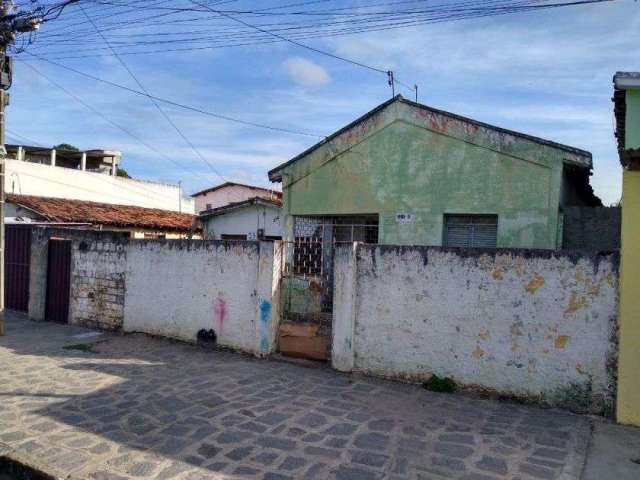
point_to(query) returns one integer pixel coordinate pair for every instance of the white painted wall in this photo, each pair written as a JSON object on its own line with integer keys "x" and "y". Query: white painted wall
{"x": 244, "y": 221}
{"x": 176, "y": 288}
{"x": 538, "y": 325}
{"x": 47, "y": 181}
{"x": 226, "y": 195}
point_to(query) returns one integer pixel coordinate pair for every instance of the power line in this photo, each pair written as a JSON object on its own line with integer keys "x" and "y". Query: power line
{"x": 173, "y": 103}
{"x": 108, "y": 120}
{"x": 294, "y": 42}
{"x": 389, "y": 73}
{"x": 154, "y": 102}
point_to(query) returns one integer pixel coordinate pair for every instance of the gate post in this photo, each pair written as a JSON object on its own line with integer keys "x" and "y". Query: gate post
{"x": 345, "y": 292}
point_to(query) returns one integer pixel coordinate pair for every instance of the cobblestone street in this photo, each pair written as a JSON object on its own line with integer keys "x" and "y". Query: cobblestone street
{"x": 144, "y": 407}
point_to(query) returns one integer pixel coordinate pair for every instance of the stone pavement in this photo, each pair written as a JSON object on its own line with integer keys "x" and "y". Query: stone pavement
{"x": 141, "y": 407}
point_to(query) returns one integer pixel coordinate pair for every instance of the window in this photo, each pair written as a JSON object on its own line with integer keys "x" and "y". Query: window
{"x": 227, "y": 236}
{"x": 208, "y": 206}
{"x": 154, "y": 236}
{"x": 478, "y": 231}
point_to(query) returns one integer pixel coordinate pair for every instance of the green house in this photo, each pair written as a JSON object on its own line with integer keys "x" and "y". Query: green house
{"x": 409, "y": 174}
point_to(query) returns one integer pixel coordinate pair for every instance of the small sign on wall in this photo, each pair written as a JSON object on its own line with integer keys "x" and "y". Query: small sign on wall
{"x": 404, "y": 218}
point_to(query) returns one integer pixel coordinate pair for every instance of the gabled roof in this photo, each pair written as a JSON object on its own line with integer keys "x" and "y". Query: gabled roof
{"x": 274, "y": 174}
{"x": 124, "y": 216}
{"x": 238, "y": 205}
{"x": 271, "y": 193}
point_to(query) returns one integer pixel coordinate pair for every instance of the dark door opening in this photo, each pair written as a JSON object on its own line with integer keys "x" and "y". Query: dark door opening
{"x": 17, "y": 266}
{"x": 58, "y": 281}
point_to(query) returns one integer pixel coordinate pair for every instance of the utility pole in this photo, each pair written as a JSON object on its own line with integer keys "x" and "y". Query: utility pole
{"x": 12, "y": 22}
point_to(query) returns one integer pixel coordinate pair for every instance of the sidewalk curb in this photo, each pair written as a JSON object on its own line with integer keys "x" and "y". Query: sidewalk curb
{"x": 26, "y": 463}
{"x": 576, "y": 462}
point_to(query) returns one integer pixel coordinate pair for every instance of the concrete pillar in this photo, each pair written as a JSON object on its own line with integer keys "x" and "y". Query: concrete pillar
{"x": 83, "y": 161}
{"x": 20, "y": 154}
{"x": 628, "y": 410}
{"x": 114, "y": 168}
{"x": 53, "y": 157}
{"x": 345, "y": 292}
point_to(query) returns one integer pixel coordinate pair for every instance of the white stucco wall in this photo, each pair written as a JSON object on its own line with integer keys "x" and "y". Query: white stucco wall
{"x": 525, "y": 323}
{"x": 226, "y": 195}
{"x": 176, "y": 288}
{"x": 244, "y": 221}
{"x": 27, "y": 178}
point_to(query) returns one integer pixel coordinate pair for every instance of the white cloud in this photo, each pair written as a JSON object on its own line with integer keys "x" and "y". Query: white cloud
{"x": 306, "y": 73}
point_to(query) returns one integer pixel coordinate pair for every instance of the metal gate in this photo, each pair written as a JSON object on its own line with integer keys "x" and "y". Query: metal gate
{"x": 58, "y": 281}
{"x": 307, "y": 280}
{"x": 17, "y": 266}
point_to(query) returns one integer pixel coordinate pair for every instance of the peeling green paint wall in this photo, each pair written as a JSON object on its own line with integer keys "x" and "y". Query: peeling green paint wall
{"x": 632, "y": 132}
{"x": 403, "y": 160}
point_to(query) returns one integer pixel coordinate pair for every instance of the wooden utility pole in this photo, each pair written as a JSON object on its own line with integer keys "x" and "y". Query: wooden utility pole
{"x": 4, "y": 97}
{"x": 4, "y": 10}
{"x": 12, "y": 22}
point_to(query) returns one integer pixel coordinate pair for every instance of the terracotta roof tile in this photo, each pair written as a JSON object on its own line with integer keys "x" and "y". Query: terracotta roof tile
{"x": 80, "y": 211}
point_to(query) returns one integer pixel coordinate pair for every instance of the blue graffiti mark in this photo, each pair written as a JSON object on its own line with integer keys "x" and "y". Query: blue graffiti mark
{"x": 265, "y": 319}
{"x": 265, "y": 311}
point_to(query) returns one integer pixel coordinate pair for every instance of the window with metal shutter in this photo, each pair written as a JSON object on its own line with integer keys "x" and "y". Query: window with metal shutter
{"x": 478, "y": 231}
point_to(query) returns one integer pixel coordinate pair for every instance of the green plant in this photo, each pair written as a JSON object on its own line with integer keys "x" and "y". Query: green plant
{"x": 66, "y": 146}
{"x": 440, "y": 384}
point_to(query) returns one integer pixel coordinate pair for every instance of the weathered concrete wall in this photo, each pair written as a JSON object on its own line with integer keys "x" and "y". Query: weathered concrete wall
{"x": 524, "y": 323}
{"x": 594, "y": 228}
{"x": 98, "y": 264}
{"x": 176, "y": 288}
{"x": 97, "y": 281}
{"x": 167, "y": 287}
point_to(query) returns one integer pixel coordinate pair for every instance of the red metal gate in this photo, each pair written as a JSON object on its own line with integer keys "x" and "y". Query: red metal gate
{"x": 58, "y": 281}
{"x": 17, "y": 265}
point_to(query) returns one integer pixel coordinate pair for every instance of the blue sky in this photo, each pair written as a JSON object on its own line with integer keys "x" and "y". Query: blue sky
{"x": 546, "y": 73}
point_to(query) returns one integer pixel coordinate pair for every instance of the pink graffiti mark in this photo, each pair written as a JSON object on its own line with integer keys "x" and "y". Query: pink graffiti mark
{"x": 221, "y": 310}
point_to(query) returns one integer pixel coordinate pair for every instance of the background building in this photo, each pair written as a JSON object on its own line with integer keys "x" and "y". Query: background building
{"x": 230, "y": 192}
{"x": 252, "y": 219}
{"x": 86, "y": 175}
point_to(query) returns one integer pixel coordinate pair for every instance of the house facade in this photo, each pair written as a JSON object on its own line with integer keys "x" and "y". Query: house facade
{"x": 409, "y": 174}
{"x": 256, "y": 218}
{"x": 626, "y": 99}
{"x": 230, "y": 192}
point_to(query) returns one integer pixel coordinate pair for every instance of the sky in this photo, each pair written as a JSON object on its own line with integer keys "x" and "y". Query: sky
{"x": 547, "y": 73}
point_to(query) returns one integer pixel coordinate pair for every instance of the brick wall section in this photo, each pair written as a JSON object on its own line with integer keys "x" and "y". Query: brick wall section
{"x": 98, "y": 283}
{"x": 596, "y": 228}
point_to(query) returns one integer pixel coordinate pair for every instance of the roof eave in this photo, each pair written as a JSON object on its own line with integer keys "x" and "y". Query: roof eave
{"x": 238, "y": 205}
{"x": 626, "y": 80}
{"x": 275, "y": 175}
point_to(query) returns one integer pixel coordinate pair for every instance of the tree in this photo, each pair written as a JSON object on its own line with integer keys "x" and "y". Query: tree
{"x": 66, "y": 146}
{"x": 121, "y": 172}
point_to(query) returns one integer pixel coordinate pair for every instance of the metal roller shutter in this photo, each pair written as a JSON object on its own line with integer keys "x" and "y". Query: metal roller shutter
{"x": 477, "y": 231}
